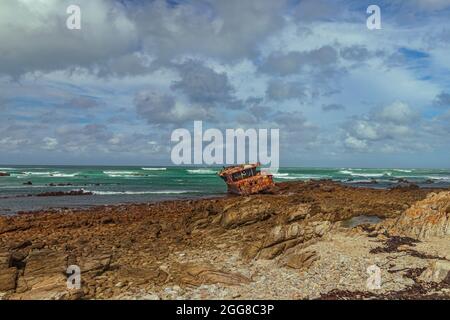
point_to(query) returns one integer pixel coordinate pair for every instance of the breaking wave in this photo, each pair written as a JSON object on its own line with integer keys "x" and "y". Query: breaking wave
{"x": 201, "y": 171}
{"x": 108, "y": 193}
{"x": 365, "y": 174}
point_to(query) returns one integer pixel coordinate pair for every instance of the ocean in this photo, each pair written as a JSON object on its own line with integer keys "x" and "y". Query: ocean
{"x": 114, "y": 185}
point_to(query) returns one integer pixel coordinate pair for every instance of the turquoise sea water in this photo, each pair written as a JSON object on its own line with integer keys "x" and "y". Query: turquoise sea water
{"x": 112, "y": 185}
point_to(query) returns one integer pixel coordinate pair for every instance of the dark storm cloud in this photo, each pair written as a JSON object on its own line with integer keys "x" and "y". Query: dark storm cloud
{"x": 162, "y": 109}
{"x": 355, "y": 53}
{"x": 155, "y": 108}
{"x": 279, "y": 91}
{"x": 226, "y": 30}
{"x": 82, "y": 102}
{"x": 333, "y": 107}
{"x": 442, "y": 100}
{"x": 313, "y": 10}
{"x": 292, "y": 62}
{"x": 203, "y": 85}
{"x": 34, "y": 36}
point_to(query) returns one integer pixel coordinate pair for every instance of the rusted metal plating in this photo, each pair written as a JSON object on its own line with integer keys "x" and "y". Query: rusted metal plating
{"x": 245, "y": 179}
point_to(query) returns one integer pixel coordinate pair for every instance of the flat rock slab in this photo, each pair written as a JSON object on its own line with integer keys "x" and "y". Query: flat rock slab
{"x": 44, "y": 276}
{"x": 8, "y": 279}
{"x": 5, "y": 258}
{"x": 198, "y": 274}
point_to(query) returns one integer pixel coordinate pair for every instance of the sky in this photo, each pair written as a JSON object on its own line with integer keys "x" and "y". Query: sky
{"x": 112, "y": 92}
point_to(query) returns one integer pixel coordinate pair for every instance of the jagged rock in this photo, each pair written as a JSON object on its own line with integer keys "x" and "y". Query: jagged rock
{"x": 97, "y": 264}
{"x": 142, "y": 275}
{"x": 301, "y": 260}
{"x": 405, "y": 186}
{"x": 52, "y": 287}
{"x": 297, "y": 212}
{"x": 251, "y": 251}
{"x": 44, "y": 276}
{"x": 427, "y": 218}
{"x": 283, "y": 237}
{"x": 5, "y": 258}
{"x": 80, "y": 192}
{"x": 8, "y": 279}
{"x": 20, "y": 245}
{"x": 17, "y": 259}
{"x": 437, "y": 271}
{"x": 245, "y": 212}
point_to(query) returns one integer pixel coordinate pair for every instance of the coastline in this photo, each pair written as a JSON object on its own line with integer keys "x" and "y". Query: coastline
{"x": 27, "y": 188}
{"x": 292, "y": 244}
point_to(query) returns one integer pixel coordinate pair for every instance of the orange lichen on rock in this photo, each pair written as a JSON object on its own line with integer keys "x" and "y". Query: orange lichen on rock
{"x": 427, "y": 218}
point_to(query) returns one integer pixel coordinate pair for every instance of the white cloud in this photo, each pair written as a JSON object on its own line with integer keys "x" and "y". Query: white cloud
{"x": 50, "y": 143}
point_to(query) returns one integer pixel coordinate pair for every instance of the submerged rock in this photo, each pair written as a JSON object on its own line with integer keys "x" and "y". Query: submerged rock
{"x": 80, "y": 192}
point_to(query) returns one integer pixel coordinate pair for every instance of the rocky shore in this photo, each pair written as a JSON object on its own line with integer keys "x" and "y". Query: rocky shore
{"x": 305, "y": 240}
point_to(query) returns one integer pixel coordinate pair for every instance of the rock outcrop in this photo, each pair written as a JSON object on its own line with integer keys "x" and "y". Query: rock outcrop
{"x": 203, "y": 248}
{"x": 427, "y": 218}
{"x": 198, "y": 274}
{"x": 43, "y": 277}
{"x": 437, "y": 271}
{"x": 245, "y": 212}
{"x": 301, "y": 260}
{"x": 284, "y": 237}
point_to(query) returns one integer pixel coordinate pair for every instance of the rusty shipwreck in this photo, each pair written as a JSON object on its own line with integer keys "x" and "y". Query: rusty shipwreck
{"x": 246, "y": 179}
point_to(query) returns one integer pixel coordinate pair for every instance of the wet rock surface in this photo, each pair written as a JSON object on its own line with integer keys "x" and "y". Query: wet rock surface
{"x": 286, "y": 245}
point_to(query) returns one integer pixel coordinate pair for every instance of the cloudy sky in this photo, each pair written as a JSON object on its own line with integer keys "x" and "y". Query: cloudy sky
{"x": 112, "y": 92}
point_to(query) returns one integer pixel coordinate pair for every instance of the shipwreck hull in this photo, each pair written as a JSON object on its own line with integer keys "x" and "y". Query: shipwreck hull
{"x": 245, "y": 179}
{"x": 251, "y": 185}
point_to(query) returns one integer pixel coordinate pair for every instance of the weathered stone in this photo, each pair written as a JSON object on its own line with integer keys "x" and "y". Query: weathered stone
{"x": 141, "y": 275}
{"x": 283, "y": 237}
{"x": 272, "y": 252}
{"x": 44, "y": 276}
{"x": 297, "y": 212}
{"x": 245, "y": 212}
{"x": 302, "y": 260}
{"x": 426, "y": 218}
{"x": 45, "y": 262}
{"x": 97, "y": 264}
{"x": 5, "y": 258}
{"x": 437, "y": 271}
{"x": 52, "y": 287}
{"x": 307, "y": 231}
{"x": 8, "y": 279}
{"x": 251, "y": 251}
{"x": 20, "y": 245}
{"x": 198, "y": 274}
